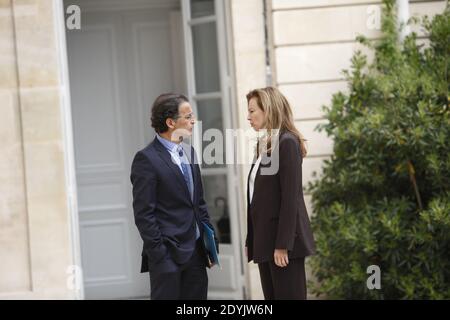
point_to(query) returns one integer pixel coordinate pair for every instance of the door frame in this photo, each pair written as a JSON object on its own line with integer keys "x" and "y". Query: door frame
{"x": 75, "y": 275}
{"x": 227, "y": 95}
{"x": 233, "y": 173}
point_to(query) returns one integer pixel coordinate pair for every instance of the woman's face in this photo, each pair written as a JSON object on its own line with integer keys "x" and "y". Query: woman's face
{"x": 255, "y": 116}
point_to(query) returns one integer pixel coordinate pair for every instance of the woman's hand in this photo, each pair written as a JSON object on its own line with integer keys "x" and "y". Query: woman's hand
{"x": 280, "y": 256}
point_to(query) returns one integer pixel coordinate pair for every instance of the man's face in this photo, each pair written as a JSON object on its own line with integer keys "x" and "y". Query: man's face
{"x": 185, "y": 122}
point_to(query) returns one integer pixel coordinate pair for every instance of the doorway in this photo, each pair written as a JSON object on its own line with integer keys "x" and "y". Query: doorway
{"x": 124, "y": 56}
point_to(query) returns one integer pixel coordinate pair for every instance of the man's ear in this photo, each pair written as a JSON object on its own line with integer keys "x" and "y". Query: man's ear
{"x": 170, "y": 123}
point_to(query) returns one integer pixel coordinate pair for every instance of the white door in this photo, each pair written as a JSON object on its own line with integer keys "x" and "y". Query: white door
{"x": 119, "y": 62}
{"x": 209, "y": 92}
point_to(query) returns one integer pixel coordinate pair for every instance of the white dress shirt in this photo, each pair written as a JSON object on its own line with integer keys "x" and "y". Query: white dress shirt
{"x": 253, "y": 176}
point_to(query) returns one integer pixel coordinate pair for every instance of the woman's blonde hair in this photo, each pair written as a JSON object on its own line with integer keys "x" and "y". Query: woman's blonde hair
{"x": 278, "y": 114}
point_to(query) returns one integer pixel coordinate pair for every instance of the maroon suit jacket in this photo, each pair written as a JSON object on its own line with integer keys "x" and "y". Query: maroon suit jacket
{"x": 276, "y": 216}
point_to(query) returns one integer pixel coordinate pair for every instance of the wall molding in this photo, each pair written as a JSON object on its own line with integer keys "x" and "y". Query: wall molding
{"x": 119, "y": 5}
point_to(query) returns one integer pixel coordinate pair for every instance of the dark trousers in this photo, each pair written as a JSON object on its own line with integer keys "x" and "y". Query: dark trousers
{"x": 190, "y": 282}
{"x": 288, "y": 283}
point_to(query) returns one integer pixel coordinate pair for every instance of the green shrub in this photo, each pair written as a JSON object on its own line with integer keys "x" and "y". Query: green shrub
{"x": 383, "y": 197}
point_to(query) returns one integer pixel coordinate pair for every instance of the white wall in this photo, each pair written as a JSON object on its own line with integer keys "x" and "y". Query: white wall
{"x": 36, "y": 244}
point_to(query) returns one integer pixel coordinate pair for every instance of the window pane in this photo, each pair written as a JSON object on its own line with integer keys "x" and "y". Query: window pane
{"x": 201, "y": 8}
{"x": 216, "y": 197}
{"x": 213, "y": 141}
{"x": 206, "y": 59}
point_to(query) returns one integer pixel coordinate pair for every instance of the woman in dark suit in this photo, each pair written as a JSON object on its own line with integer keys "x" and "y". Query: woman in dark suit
{"x": 279, "y": 235}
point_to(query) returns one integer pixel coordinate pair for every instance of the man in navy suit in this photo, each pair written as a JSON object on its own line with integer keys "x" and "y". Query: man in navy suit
{"x": 168, "y": 204}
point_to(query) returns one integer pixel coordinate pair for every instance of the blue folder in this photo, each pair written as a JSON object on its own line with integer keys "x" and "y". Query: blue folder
{"x": 210, "y": 245}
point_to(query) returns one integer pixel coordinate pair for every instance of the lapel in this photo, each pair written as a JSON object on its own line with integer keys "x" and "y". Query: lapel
{"x": 165, "y": 155}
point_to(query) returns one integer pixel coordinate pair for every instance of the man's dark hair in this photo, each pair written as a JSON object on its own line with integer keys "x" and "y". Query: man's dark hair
{"x": 164, "y": 107}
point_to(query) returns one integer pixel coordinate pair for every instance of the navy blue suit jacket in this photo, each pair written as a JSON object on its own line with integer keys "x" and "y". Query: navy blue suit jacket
{"x": 164, "y": 213}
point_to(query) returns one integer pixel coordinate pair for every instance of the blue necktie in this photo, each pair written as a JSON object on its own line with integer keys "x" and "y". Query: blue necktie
{"x": 187, "y": 179}
{"x": 184, "y": 169}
